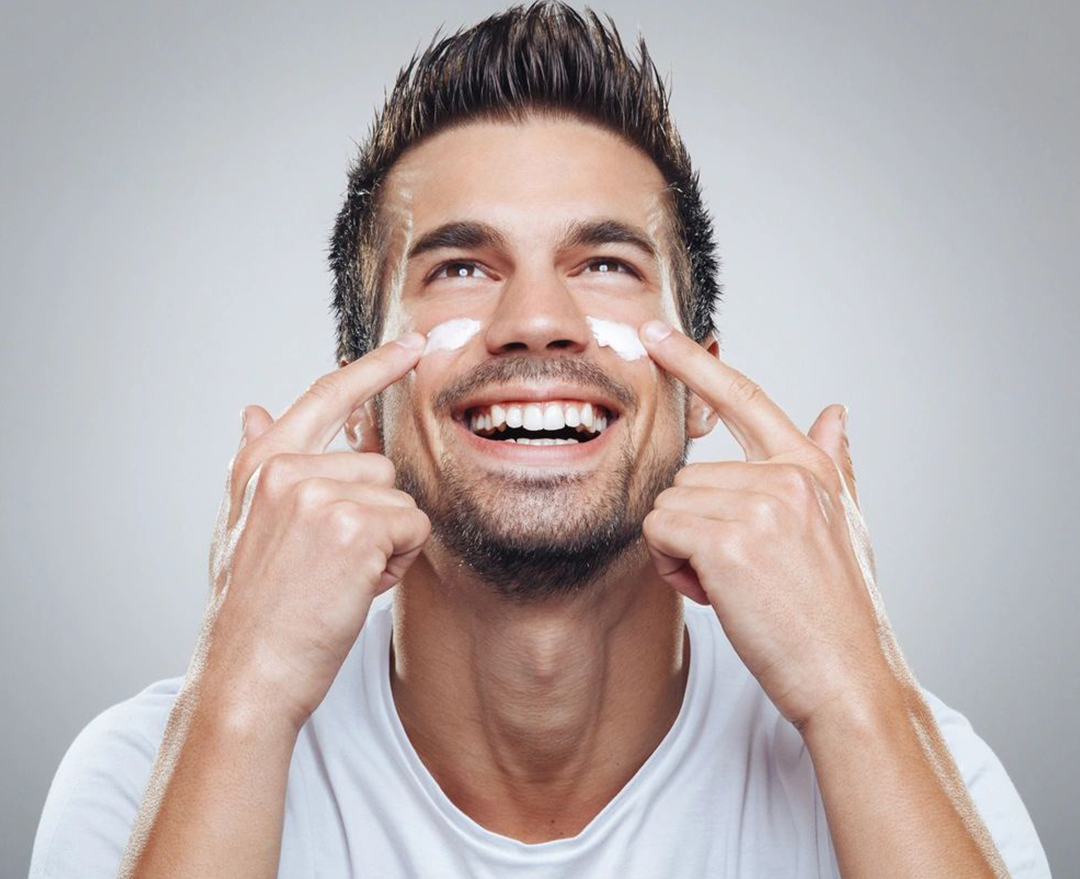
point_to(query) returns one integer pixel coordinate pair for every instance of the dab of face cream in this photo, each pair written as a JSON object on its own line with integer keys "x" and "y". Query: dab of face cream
{"x": 620, "y": 338}
{"x": 451, "y": 335}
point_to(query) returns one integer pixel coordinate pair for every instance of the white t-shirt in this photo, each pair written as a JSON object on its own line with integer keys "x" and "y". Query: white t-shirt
{"x": 730, "y": 791}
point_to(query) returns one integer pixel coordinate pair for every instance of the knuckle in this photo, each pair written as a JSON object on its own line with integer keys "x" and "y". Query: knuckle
{"x": 382, "y": 469}
{"x": 423, "y": 524}
{"x": 654, "y": 522}
{"x": 312, "y": 494}
{"x": 326, "y": 388}
{"x": 746, "y": 389}
{"x": 731, "y": 546}
{"x": 275, "y": 476}
{"x": 345, "y": 522}
{"x": 407, "y": 500}
{"x": 795, "y": 483}
{"x": 766, "y": 511}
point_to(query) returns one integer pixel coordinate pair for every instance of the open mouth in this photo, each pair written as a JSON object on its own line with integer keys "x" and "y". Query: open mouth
{"x": 547, "y": 423}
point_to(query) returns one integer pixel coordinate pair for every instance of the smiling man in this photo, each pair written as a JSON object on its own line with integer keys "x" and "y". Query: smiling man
{"x": 512, "y": 632}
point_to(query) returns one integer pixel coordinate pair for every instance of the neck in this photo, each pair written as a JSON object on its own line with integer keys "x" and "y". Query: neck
{"x": 532, "y": 717}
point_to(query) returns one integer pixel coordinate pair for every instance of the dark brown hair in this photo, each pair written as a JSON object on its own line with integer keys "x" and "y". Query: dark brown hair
{"x": 547, "y": 59}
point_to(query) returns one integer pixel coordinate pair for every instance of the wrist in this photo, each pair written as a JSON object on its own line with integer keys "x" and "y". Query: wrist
{"x": 856, "y": 714}
{"x": 233, "y": 715}
{"x": 244, "y": 703}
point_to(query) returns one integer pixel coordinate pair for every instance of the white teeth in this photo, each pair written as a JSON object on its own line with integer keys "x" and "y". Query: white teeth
{"x": 553, "y": 417}
{"x": 533, "y": 418}
{"x": 587, "y": 415}
{"x": 544, "y": 442}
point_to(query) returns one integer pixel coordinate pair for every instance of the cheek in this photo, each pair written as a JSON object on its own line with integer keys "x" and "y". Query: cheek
{"x": 397, "y": 413}
{"x": 619, "y": 337}
{"x": 671, "y": 406}
{"x": 450, "y": 335}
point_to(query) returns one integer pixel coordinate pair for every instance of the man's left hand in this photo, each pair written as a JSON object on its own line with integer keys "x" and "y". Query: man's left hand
{"x": 777, "y": 545}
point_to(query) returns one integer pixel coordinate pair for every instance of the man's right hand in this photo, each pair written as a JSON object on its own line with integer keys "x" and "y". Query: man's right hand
{"x": 304, "y": 542}
{"x": 305, "y": 539}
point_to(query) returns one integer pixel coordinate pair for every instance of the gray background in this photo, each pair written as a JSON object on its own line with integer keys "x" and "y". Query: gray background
{"x": 895, "y": 192}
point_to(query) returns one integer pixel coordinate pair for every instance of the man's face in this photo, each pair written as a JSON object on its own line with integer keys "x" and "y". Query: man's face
{"x": 529, "y": 307}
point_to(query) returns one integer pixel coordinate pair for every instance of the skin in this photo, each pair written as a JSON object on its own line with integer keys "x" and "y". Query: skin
{"x": 608, "y": 665}
{"x": 779, "y": 549}
{"x": 531, "y": 716}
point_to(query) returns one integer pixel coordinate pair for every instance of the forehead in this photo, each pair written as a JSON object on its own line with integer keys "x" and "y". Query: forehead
{"x": 528, "y": 178}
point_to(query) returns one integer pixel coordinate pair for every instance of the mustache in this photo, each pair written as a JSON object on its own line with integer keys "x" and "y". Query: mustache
{"x": 500, "y": 371}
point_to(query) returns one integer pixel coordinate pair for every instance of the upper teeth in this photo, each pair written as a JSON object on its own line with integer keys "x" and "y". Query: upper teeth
{"x": 553, "y": 415}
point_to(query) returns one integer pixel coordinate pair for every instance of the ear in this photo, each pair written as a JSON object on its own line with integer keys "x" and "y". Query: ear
{"x": 361, "y": 428}
{"x": 700, "y": 417}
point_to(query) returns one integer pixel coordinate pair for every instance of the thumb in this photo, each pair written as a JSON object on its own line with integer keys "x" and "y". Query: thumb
{"x": 254, "y": 421}
{"x": 829, "y": 431}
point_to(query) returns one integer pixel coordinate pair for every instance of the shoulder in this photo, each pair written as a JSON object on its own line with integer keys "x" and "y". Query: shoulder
{"x": 993, "y": 792}
{"x": 98, "y": 786}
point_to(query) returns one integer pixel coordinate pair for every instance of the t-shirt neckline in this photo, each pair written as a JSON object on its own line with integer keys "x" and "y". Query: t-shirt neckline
{"x": 654, "y": 765}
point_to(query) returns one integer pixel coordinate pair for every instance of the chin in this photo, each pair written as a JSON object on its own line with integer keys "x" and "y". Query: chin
{"x": 533, "y": 535}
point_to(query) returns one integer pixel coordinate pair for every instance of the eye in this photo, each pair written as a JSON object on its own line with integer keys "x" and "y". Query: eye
{"x": 458, "y": 268}
{"x": 607, "y": 266}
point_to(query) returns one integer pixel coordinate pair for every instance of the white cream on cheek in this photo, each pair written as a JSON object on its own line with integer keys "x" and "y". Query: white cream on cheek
{"x": 450, "y": 335}
{"x": 620, "y": 338}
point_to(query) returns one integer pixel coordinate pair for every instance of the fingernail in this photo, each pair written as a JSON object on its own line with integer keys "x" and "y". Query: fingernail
{"x": 655, "y": 331}
{"x": 412, "y": 341}
{"x": 843, "y": 417}
{"x": 243, "y": 419}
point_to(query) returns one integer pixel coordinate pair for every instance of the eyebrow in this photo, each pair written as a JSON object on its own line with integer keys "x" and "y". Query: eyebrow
{"x": 472, "y": 234}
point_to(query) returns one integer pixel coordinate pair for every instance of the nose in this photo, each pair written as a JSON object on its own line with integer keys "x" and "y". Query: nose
{"x": 537, "y": 313}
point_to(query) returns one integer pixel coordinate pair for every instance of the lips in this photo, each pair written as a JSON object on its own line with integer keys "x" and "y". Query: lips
{"x": 550, "y": 424}
{"x": 494, "y": 452}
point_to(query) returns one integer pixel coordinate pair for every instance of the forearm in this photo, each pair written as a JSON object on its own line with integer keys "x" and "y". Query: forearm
{"x": 895, "y": 801}
{"x": 214, "y": 806}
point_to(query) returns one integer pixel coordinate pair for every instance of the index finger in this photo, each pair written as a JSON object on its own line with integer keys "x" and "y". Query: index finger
{"x": 317, "y": 415}
{"x": 759, "y": 425}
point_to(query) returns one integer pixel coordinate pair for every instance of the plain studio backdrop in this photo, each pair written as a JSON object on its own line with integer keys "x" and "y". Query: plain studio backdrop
{"x": 895, "y": 193}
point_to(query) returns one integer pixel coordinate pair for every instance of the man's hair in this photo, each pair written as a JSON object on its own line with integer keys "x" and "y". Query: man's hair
{"x": 545, "y": 59}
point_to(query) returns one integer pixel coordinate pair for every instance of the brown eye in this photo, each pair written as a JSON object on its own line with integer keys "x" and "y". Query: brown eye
{"x": 607, "y": 266}
{"x": 460, "y": 269}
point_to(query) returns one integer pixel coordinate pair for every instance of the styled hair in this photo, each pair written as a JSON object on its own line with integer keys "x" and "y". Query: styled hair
{"x": 543, "y": 59}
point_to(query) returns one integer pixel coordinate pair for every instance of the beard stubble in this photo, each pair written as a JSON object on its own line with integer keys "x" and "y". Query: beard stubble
{"x": 539, "y": 537}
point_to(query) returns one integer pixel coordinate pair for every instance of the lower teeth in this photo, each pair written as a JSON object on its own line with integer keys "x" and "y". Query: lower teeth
{"x": 542, "y": 442}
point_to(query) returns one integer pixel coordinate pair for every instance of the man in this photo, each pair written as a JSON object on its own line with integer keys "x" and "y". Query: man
{"x": 512, "y": 633}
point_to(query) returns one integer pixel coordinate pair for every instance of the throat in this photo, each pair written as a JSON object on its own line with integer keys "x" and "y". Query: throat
{"x": 528, "y": 713}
